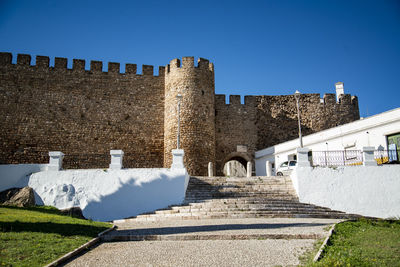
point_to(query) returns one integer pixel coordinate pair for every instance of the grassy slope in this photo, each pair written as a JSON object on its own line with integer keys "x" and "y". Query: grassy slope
{"x": 363, "y": 243}
{"x": 37, "y": 236}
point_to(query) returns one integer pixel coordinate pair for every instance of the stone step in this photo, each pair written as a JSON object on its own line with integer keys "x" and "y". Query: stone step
{"x": 231, "y": 197}
{"x": 150, "y": 237}
{"x": 241, "y": 207}
{"x": 268, "y": 197}
{"x": 241, "y": 189}
{"x": 208, "y": 205}
{"x": 194, "y": 200}
{"x": 197, "y": 200}
{"x": 188, "y": 212}
{"x": 244, "y": 209}
{"x": 236, "y": 185}
{"x": 211, "y": 204}
{"x": 243, "y": 194}
{"x": 271, "y": 208}
{"x": 238, "y": 181}
{"x": 241, "y": 179}
{"x": 239, "y": 193}
{"x": 247, "y": 207}
{"x": 249, "y": 183}
{"x": 237, "y": 211}
{"x": 223, "y": 190}
{"x": 255, "y": 183}
{"x": 327, "y": 215}
{"x": 249, "y": 200}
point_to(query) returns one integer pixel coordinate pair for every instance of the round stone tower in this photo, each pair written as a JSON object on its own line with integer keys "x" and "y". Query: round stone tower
{"x": 197, "y": 113}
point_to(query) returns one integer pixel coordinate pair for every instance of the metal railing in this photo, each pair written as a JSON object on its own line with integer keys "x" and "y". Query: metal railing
{"x": 350, "y": 157}
{"x": 337, "y": 158}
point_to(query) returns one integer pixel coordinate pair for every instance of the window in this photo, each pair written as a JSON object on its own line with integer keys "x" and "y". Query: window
{"x": 393, "y": 146}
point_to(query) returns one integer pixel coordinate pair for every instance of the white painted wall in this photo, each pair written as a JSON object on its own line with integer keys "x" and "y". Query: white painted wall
{"x": 261, "y": 167}
{"x": 352, "y": 135}
{"x": 364, "y": 190}
{"x": 106, "y": 195}
{"x": 17, "y": 175}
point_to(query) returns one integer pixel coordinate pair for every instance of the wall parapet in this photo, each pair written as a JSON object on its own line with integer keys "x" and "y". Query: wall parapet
{"x": 78, "y": 65}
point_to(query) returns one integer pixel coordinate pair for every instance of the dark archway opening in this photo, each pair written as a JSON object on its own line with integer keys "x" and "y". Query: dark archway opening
{"x": 238, "y": 167}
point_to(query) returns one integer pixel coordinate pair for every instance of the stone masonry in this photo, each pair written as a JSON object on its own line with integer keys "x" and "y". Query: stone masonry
{"x": 79, "y": 110}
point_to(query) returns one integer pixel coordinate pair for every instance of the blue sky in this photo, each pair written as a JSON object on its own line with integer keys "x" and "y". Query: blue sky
{"x": 257, "y": 47}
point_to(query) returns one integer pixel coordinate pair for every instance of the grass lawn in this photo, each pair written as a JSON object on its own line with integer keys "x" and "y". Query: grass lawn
{"x": 39, "y": 235}
{"x": 363, "y": 243}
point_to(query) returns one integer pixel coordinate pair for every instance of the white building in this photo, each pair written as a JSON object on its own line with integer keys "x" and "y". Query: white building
{"x": 380, "y": 131}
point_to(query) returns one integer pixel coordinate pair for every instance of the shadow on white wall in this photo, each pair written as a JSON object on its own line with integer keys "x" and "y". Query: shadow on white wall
{"x": 106, "y": 195}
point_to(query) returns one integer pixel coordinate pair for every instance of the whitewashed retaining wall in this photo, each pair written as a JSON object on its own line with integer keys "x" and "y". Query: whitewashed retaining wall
{"x": 105, "y": 195}
{"x": 364, "y": 190}
{"x": 17, "y": 175}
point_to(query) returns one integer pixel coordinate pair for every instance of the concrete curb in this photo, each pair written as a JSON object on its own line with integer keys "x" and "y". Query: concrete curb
{"x": 321, "y": 249}
{"x": 75, "y": 252}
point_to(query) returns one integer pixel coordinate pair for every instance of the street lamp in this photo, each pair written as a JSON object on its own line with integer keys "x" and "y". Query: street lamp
{"x": 297, "y": 97}
{"x": 179, "y": 98}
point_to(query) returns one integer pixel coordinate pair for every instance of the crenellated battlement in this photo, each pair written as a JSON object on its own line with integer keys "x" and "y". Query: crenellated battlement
{"x": 328, "y": 99}
{"x": 60, "y": 63}
{"x": 234, "y": 101}
{"x": 188, "y": 63}
{"x": 344, "y": 99}
{"x": 5, "y": 59}
{"x": 78, "y": 65}
{"x": 42, "y": 62}
{"x": 348, "y": 99}
{"x": 23, "y": 59}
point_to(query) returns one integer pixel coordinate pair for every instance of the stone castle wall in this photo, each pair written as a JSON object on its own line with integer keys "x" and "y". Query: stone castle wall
{"x": 80, "y": 111}
{"x": 77, "y": 111}
{"x": 263, "y": 121}
{"x": 235, "y": 124}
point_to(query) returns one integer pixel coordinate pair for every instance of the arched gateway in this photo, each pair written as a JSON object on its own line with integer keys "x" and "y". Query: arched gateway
{"x": 238, "y": 164}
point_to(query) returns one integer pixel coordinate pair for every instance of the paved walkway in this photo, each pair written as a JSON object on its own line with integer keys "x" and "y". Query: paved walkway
{"x": 218, "y": 242}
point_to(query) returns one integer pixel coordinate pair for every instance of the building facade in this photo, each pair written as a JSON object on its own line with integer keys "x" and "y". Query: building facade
{"x": 381, "y": 131}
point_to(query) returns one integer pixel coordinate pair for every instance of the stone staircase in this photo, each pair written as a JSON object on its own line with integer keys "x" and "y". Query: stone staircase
{"x": 234, "y": 197}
